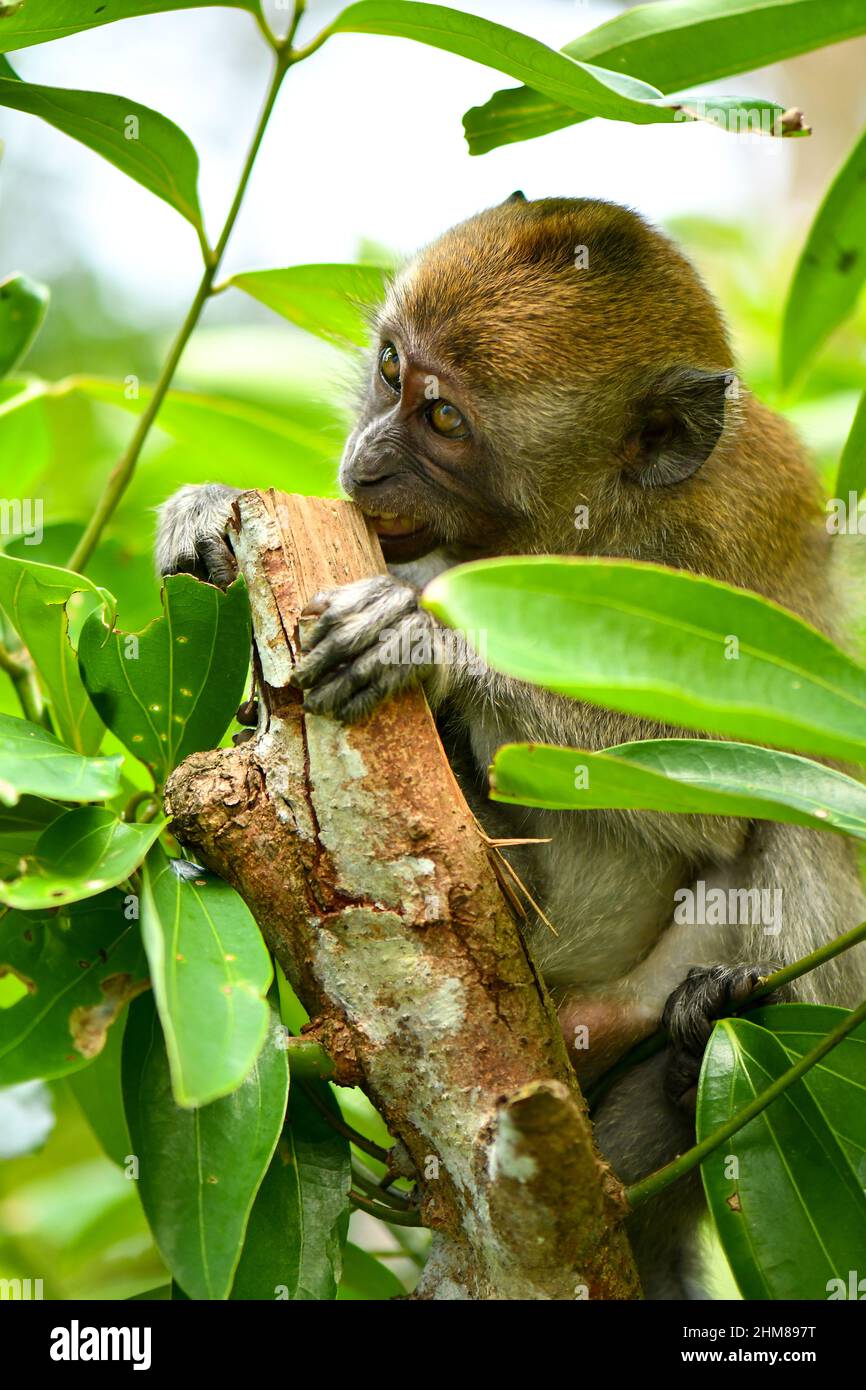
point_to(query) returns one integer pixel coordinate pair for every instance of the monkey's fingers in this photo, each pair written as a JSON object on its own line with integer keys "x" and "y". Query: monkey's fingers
{"x": 381, "y": 598}
{"x": 191, "y": 534}
{"x": 352, "y": 620}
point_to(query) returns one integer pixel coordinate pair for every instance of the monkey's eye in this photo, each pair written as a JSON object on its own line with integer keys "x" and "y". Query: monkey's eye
{"x": 389, "y": 366}
{"x": 446, "y": 419}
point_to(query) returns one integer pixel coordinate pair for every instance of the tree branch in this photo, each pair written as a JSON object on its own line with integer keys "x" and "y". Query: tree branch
{"x": 373, "y": 885}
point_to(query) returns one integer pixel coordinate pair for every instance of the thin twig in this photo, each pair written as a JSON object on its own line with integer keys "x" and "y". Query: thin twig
{"x": 339, "y": 1124}
{"x": 389, "y": 1214}
{"x": 123, "y": 471}
{"x": 662, "y": 1178}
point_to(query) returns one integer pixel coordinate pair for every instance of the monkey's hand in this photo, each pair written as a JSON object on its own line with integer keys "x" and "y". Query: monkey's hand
{"x": 191, "y": 533}
{"x": 363, "y": 642}
{"x": 707, "y": 994}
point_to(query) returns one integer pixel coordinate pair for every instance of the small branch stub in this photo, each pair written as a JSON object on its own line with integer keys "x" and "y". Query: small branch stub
{"x": 363, "y": 865}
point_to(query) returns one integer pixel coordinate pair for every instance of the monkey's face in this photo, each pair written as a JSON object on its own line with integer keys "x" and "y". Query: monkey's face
{"x": 416, "y": 462}
{"x": 537, "y": 357}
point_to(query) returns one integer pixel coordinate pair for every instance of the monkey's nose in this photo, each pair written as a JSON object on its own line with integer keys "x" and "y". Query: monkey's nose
{"x": 370, "y": 469}
{"x": 371, "y": 481}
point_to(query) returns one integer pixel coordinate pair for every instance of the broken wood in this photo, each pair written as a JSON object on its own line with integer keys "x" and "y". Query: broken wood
{"x": 374, "y": 888}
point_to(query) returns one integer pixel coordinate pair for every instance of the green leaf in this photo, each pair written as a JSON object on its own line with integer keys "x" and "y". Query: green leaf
{"x": 831, "y": 270}
{"x": 200, "y": 1169}
{"x": 674, "y": 46}
{"x": 584, "y": 87}
{"x": 97, "y": 1089}
{"x": 207, "y": 961}
{"x": 140, "y": 142}
{"x": 302, "y": 458}
{"x": 656, "y": 642}
{"x": 80, "y": 967}
{"x": 35, "y": 598}
{"x": 298, "y": 1224}
{"x": 328, "y": 300}
{"x": 852, "y": 465}
{"x": 366, "y": 1278}
{"x": 23, "y": 303}
{"x": 34, "y": 761}
{"x": 21, "y": 825}
{"x": 686, "y": 776}
{"x": 837, "y": 1083}
{"x": 25, "y": 434}
{"x": 41, "y": 21}
{"x": 172, "y": 689}
{"x": 81, "y": 853}
{"x": 794, "y": 1216}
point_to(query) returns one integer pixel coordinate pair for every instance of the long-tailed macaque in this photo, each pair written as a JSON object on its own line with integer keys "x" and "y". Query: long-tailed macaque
{"x": 540, "y": 357}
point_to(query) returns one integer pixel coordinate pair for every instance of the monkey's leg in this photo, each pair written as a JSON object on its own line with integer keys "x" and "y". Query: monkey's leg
{"x": 639, "y": 1129}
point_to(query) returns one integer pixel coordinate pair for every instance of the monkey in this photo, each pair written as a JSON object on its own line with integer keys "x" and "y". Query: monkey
{"x": 544, "y": 356}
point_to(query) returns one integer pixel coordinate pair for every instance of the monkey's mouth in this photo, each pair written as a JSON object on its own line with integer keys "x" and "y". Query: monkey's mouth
{"x": 402, "y": 538}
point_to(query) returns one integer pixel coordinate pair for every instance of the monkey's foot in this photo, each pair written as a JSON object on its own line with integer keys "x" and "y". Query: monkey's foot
{"x": 707, "y": 994}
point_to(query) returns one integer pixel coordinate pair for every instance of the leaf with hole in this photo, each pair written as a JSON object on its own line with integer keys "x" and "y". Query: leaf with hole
{"x": 80, "y": 967}
{"x": 97, "y": 1089}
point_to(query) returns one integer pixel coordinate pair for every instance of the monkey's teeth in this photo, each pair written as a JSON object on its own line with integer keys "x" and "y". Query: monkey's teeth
{"x": 387, "y": 524}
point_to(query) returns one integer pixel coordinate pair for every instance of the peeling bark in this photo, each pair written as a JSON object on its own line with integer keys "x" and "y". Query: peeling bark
{"x": 374, "y": 887}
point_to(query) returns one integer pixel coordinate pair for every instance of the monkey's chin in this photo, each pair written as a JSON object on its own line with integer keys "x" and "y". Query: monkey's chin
{"x": 402, "y": 540}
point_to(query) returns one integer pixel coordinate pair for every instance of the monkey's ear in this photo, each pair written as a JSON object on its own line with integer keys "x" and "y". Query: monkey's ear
{"x": 518, "y": 196}
{"x": 676, "y": 426}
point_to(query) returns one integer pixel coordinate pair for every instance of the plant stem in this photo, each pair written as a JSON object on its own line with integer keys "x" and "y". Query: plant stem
{"x": 23, "y": 678}
{"x": 339, "y": 1124}
{"x": 308, "y": 1059}
{"x": 657, "y": 1041}
{"x": 123, "y": 471}
{"x": 366, "y": 1182}
{"x": 641, "y": 1192}
{"x": 389, "y": 1214}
